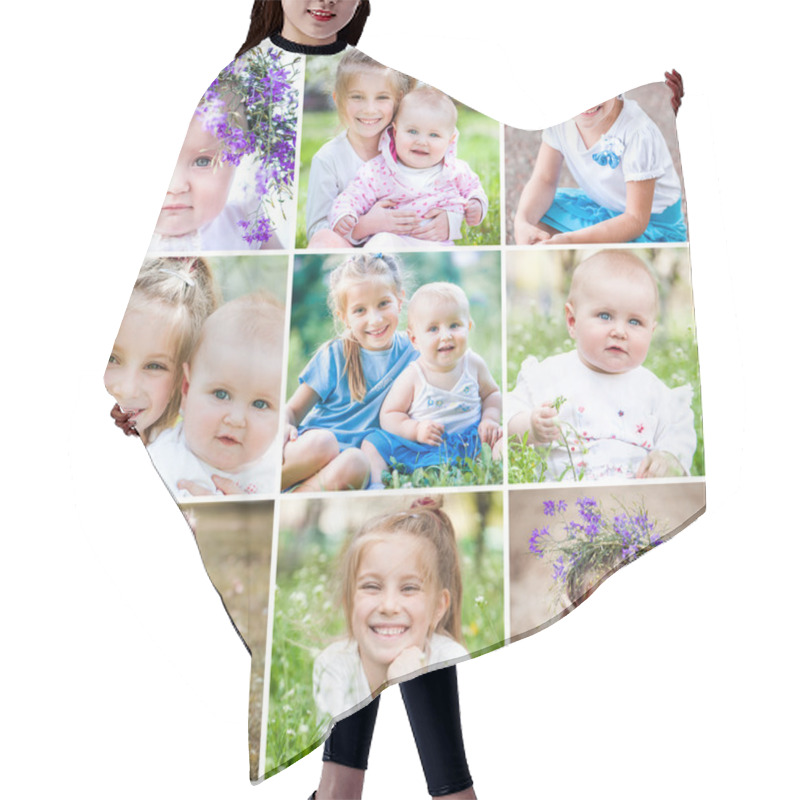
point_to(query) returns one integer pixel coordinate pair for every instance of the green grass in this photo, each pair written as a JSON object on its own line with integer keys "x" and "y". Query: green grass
{"x": 480, "y": 471}
{"x": 307, "y": 618}
{"x": 672, "y": 358}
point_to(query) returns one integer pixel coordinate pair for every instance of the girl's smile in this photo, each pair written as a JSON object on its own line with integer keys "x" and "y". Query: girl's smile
{"x": 315, "y": 22}
{"x": 368, "y": 105}
{"x": 395, "y": 605}
{"x": 372, "y": 313}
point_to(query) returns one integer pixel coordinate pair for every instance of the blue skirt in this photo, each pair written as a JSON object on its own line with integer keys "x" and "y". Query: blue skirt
{"x": 407, "y": 455}
{"x": 573, "y": 210}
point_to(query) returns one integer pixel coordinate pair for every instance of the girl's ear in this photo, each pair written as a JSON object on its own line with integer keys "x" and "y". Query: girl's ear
{"x": 185, "y": 381}
{"x": 569, "y": 311}
{"x": 441, "y": 609}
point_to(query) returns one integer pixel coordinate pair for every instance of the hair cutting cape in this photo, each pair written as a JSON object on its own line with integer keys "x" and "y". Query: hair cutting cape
{"x": 538, "y": 528}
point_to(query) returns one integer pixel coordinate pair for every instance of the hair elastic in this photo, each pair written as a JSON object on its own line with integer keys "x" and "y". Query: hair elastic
{"x": 185, "y": 278}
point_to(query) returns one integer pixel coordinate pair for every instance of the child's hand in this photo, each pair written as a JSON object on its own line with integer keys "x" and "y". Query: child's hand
{"x": 434, "y": 226}
{"x": 473, "y": 212}
{"x": 345, "y": 225}
{"x": 410, "y": 660}
{"x": 544, "y": 424}
{"x": 525, "y": 233}
{"x": 490, "y": 432}
{"x": 430, "y": 432}
{"x": 384, "y": 217}
{"x": 560, "y": 238}
{"x": 289, "y": 435}
{"x": 674, "y": 82}
{"x": 122, "y": 419}
{"x": 660, "y": 464}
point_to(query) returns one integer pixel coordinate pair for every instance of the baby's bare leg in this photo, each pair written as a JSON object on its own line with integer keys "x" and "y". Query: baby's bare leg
{"x": 307, "y": 455}
{"x": 376, "y": 463}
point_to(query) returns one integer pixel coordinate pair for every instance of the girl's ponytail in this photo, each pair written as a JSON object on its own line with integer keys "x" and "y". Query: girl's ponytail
{"x": 364, "y": 266}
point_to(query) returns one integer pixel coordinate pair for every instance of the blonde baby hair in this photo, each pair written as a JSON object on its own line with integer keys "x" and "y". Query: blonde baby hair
{"x": 186, "y": 286}
{"x": 427, "y": 96}
{"x": 258, "y": 316}
{"x": 354, "y": 62}
{"x": 426, "y": 520}
{"x": 621, "y": 262}
{"x": 441, "y": 291}
{"x": 358, "y": 268}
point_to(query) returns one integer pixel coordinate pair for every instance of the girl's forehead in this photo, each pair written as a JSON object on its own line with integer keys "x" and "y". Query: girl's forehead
{"x": 368, "y": 285}
{"x": 396, "y": 549}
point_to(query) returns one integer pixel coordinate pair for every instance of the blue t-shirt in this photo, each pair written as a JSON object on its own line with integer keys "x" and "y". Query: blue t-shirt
{"x": 336, "y": 411}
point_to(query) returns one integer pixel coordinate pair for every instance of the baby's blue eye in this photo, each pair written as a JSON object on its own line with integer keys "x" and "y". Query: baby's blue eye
{"x": 635, "y": 322}
{"x": 433, "y": 328}
{"x": 221, "y": 394}
{"x": 202, "y": 161}
{"x": 260, "y": 404}
{"x": 604, "y": 315}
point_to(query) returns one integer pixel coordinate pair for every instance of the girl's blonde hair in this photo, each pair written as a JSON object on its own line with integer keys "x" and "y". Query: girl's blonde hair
{"x": 358, "y": 268}
{"x": 354, "y": 62}
{"x": 426, "y": 520}
{"x": 187, "y": 287}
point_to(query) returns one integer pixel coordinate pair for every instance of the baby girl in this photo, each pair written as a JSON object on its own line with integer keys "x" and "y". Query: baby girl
{"x": 417, "y": 169}
{"x": 617, "y": 419}
{"x": 444, "y": 405}
{"x": 230, "y": 393}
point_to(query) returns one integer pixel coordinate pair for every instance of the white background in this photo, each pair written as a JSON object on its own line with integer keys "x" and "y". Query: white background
{"x": 121, "y": 675}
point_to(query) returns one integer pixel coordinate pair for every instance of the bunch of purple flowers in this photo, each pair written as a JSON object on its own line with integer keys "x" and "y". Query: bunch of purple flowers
{"x": 252, "y": 109}
{"x": 594, "y": 544}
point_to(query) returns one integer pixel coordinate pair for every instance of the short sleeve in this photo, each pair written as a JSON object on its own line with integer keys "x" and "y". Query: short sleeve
{"x": 323, "y": 188}
{"x": 643, "y": 158}
{"x": 551, "y": 137}
{"x": 322, "y": 372}
{"x": 676, "y": 433}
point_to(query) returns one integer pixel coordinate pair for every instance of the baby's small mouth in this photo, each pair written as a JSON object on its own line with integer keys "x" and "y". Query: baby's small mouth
{"x": 228, "y": 440}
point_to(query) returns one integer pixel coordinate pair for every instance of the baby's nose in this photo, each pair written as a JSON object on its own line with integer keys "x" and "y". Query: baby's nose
{"x": 179, "y": 181}
{"x": 235, "y": 415}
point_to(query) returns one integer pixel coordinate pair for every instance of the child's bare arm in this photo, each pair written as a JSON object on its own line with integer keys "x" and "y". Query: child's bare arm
{"x": 394, "y": 411}
{"x": 624, "y": 228}
{"x": 489, "y": 428}
{"x": 300, "y": 403}
{"x": 537, "y": 196}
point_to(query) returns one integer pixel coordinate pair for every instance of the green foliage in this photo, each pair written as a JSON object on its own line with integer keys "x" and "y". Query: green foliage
{"x": 308, "y": 617}
{"x": 479, "y": 471}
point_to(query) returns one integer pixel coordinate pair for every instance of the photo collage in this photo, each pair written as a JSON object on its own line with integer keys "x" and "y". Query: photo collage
{"x": 419, "y": 381}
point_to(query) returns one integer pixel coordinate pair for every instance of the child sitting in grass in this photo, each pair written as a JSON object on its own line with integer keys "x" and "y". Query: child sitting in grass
{"x": 444, "y": 405}
{"x": 229, "y": 405}
{"x": 615, "y": 418}
{"x": 417, "y": 170}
